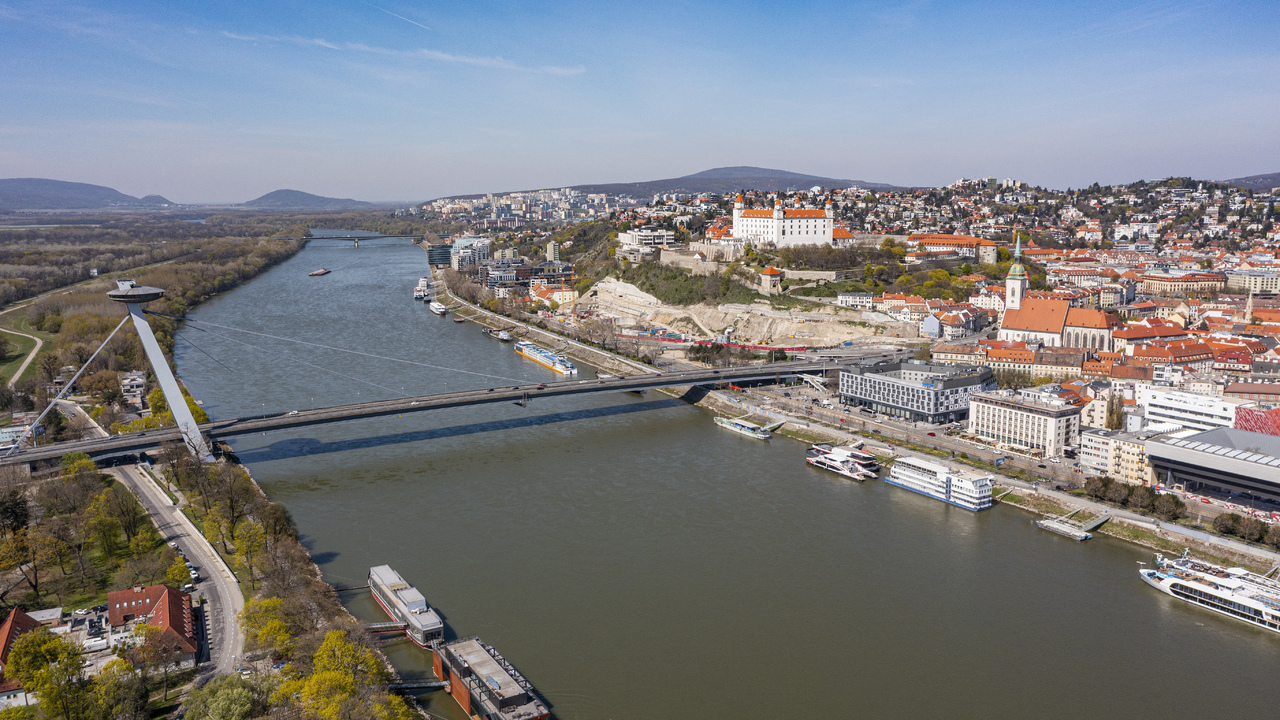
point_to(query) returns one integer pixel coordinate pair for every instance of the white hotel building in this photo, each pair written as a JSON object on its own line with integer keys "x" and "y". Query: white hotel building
{"x": 1034, "y": 420}
{"x": 783, "y": 226}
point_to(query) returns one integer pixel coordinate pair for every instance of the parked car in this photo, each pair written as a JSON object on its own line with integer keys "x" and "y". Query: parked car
{"x": 933, "y": 434}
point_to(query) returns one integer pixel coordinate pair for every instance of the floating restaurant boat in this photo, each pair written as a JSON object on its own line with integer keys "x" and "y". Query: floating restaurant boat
{"x": 826, "y": 462}
{"x": 1234, "y": 592}
{"x": 555, "y": 361}
{"x": 484, "y": 683}
{"x": 502, "y": 335}
{"x": 848, "y": 454}
{"x": 962, "y": 489}
{"x": 405, "y": 604}
{"x": 318, "y": 273}
{"x": 435, "y": 307}
{"x": 750, "y": 429}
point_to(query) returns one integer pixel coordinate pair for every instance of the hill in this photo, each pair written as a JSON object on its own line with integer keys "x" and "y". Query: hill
{"x": 155, "y": 200}
{"x": 728, "y": 179}
{"x": 44, "y": 194}
{"x": 298, "y": 200}
{"x": 718, "y": 180}
{"x": 1256, "y": 182}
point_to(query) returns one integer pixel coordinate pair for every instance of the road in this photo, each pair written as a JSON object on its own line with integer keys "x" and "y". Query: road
{"x": 30, "y": 356}
{"x": 225, "y": 640}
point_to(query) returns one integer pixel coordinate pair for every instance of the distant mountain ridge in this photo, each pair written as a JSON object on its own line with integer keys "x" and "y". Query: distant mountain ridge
{"x": 44, "y": 194}
{"x": 1256, "y": 182}
{"x": 719, "y": 180}
{"x": 298, "y": 200}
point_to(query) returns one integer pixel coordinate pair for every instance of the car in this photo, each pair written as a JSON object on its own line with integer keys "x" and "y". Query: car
{"x": 173, "y": 544}
{"x": 1055, "y": 461}
{"x": 279, "y": 665}
{"x": 542, "y": 386}
{"x": 292, "y": 412}
{"x": 100, "y": 608}
{"x": 188, "y": 588}
{"x": 1041, "y": 466}
{"x": 244, "y": 670}
{"x": 786, "y": 394}
{"x": 933, "y": 434}
{"x": 81, "y": 611}
{"x": 489, "y": 390}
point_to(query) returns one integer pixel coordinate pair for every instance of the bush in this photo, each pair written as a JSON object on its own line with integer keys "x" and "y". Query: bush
{"x": 1226, "y": 523}
{"x": 1169, "y": 507}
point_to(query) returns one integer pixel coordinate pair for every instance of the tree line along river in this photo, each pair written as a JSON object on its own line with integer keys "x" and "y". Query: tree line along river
{"x": 635, "y": 561}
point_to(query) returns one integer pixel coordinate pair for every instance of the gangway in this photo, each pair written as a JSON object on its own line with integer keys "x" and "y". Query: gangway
{"x": 772, "y": 426}
{"x": 1065, "y": 526}
{"x": 1096, "y": 523}
{"x": 418, "y": 685}
{"x": 385, "y": 626}
{"x": 817, "y": 382}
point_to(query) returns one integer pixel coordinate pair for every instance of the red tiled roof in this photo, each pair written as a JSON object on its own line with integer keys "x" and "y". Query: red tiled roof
{"x": 162, "y": 606}
{"x": 1035, "y": 315}
{"x": 15, "y": 625}
{"x": 1087, "y": 318}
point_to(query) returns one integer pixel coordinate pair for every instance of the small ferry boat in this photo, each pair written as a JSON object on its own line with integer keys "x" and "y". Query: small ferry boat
{"x": 962, "y": 489}
{"x": 318, "y": 273}
{"x": 459, "y": 319}
{"x": 484, "y": 683}
{"x": 1234, "y": 592}
{"x": 418, "y": 294}
{"x": 825, "y": 462}
{"x": 848, "y": 454}
{"x": 405, "y": 604}
{"x": 437, "y": 308}
{"x": 750, "y": 429}
{"x": 502, "y": 335}
{"x": 555, "y": 361}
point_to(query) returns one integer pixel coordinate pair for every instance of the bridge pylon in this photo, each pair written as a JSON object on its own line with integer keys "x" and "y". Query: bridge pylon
{"x": 133, "y": 296}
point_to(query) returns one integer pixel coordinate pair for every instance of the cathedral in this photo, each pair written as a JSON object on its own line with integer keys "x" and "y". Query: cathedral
{"x": 1051, "y": 323}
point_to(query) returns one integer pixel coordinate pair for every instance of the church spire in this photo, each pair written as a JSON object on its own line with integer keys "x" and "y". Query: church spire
{"x": 1016, "y": 270}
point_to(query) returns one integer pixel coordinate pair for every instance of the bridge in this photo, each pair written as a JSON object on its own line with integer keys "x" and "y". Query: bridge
{"x": 519, "y": 394}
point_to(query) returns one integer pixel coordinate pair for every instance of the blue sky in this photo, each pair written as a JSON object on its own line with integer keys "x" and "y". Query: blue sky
{"x": 402, "y": 100}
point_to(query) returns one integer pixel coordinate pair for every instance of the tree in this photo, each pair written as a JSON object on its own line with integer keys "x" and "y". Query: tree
{"x": 177, "y": 574}
{"x": 1273, "y": 535}
{"x": 1140, "y": 498}
{"x": 1250, "y": 528}
{"x": 1096, "y": 487}
{"x": 1226, "y": 523}
{"x": 5, "y": 347}
{"x": 215, "y": 526}
{"x": 15, "y": 511}
{"x": 119, "y": 693}
{"x": 49, "y": 667}
{"x": 1118, "y": 493}
{"x": 248, "y": 546}
{"x": 226, "y": 697}
{"x": 1115, "y": 412}
{"x": 29, "y": 551}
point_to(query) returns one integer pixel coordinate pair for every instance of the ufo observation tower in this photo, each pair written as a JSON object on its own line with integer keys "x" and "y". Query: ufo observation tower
{"x": 133, "y": 297}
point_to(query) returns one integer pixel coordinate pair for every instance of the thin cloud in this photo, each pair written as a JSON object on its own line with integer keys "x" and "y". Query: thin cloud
{"x": 497, "y": 63}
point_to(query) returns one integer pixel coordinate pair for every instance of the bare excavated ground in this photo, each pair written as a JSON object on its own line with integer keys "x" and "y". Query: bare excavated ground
{"x": 759, "y": 322}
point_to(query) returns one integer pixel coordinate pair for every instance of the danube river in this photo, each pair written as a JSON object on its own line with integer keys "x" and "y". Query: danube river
{"x": 635, "y": 561}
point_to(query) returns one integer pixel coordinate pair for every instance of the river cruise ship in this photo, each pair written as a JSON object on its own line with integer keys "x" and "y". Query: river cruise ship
{"x": 555, "y": 361}
{"x": 826, "y": 462}
{"x": 485, "y": 684}
{"x": 1234, "y": 592}
{"x": 750, "y": 429}
{"x": 850, "y": 454}
{"x": 962, "y": 489}
{"x": 405, "y": 604}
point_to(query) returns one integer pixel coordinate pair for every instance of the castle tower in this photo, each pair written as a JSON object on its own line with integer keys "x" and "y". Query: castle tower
{"x": 737, "y": 216}
{"x": 778, "y": 214}
{"x": 1015, "y": 286}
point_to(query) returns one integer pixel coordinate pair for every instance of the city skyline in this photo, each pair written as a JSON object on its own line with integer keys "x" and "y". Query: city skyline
{"x": 410, "y": 101}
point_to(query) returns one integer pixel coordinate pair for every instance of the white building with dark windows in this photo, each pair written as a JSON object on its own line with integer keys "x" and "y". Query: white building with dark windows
{"x": 1188, "y": 410}
{"x": 783, "y": 227}
{"x": 913, "y": 390}
{"x": 1042, "y": 420}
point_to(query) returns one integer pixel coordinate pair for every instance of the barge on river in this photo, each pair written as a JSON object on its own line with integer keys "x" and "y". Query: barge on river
{"x": 484, "y": 683}
{"x": 743, "y": 427}
{"x": 555, "y": 361}
{"x": 1234, "y": 592}
{"x": 406, "y": 605}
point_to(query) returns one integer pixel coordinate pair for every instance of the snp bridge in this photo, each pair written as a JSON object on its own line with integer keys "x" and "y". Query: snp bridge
{"x": 340, "y": 413}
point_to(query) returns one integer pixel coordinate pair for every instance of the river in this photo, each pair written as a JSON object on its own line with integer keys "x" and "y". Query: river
{"x": 635, "y": 561}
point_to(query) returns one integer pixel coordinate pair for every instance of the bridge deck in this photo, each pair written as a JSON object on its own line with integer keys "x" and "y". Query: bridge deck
{"x": 341, "y": 413}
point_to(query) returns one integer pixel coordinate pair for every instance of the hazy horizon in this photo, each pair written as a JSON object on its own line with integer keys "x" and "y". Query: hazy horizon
{"x": 407, "y": 101}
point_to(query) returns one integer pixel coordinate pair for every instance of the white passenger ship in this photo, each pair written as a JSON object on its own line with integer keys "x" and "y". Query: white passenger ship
{"x": 962, "y": 489}
{"x": 826, "y": 462}
{"x": 750, "y": 429}
{"x": 405, "y": 604}
{"x": 1234, "y": 592}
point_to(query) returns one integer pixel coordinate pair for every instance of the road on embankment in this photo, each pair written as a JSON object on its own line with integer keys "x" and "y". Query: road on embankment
{"x": 224, "y": 601}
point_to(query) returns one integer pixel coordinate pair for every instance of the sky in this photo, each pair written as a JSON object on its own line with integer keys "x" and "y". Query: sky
{"x": 221, "y": 101}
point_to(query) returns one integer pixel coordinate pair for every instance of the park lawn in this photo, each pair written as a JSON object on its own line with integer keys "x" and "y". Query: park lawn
{"x": 19, "y": 347}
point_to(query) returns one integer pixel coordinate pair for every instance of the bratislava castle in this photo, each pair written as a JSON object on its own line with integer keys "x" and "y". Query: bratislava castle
{"x": 783, "y": 226}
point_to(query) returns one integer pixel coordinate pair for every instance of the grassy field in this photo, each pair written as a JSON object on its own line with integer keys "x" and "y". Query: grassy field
{"x": 19, "y": 347}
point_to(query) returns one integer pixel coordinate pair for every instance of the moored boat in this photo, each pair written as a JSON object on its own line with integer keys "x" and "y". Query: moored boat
{"x": 318, "y": 273}
{"x": 484, "y": 683}
{"x": 555, "y": 361}
{"x": 750, "y": 429}
{"x": 825, "y": 462}
{"x": 437, "y": 308}
{"x": 405, "y": 605}
{"x": 962, "y": 489}
{"x": 502, "y": 335}
{"x": 1231, "y": 591}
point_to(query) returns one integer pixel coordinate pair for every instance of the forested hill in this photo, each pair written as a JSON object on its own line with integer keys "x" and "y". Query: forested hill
{"x": 44, "y": 194}
{"x": 298, "y": 200}
{"x": 1256, "y": 182}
